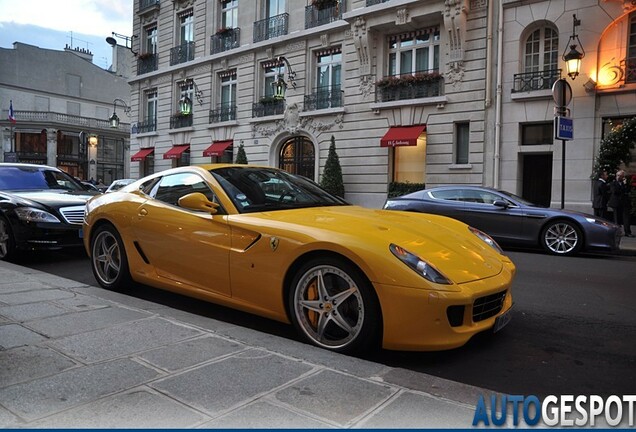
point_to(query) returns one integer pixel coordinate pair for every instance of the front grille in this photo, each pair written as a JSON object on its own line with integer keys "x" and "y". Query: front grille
{"x": 488, "y": 306}
{"x": 73, "y": 215}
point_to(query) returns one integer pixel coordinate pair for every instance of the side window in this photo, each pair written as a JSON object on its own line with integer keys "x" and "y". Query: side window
{"x": 173, "y": 187}
{"x": 447, "y": 195}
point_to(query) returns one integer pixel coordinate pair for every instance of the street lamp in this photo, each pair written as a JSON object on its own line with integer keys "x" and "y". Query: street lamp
{"x": 114, "y": 119}
{"x": 279, "y": 85}
{"x": 113, "y": 42}
{"x": 573, "y": 58}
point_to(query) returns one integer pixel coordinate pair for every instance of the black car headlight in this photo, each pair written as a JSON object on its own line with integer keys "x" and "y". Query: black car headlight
{"x": 30, "y": 214}
{"x": 417, "y": 264}
{"x": 486, "y": 239}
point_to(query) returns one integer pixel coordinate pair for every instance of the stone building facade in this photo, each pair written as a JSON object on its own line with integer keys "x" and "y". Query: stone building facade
{"x": 61, "y": 103}
{"x": 420, "y": 91}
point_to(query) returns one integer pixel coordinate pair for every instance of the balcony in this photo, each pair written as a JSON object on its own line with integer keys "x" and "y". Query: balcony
{"x": 223, "y": 113}
{"x": 532, "y": 81}
{"x": 146, "y": 126}
{"x": 628, "y": 68}
{"x": 180, "y": 121}
{"x": 182, "y": 53}
{"x": 268, "y": 107}
{"x": 148, "y": 6}
{"x": 375, "y": 2}
{"x": 323, "y": 98}
{"x": 225, "y": 40}
{"x": 271, "y": 27}
{"x": 59, "y": 119}
{"x": 146, "y": 62}
{"x": 323, "y": 12}
{"x": 404, "y": 87}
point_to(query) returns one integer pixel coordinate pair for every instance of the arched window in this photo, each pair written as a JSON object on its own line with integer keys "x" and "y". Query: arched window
{"x": 540, "y": 60}
{"x": 297, "y": 156}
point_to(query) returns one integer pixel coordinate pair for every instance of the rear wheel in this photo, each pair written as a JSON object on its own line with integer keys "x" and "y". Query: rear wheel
{"x": 108, "y": 259}
{"x": 7, "y": 243}
{"x": 562, "y": 238}
{"x": 333, "y": 305}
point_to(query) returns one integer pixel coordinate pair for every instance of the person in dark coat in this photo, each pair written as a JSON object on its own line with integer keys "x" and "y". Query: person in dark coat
{"x": 600, "y": 195}
{"x": 620, "y": 202}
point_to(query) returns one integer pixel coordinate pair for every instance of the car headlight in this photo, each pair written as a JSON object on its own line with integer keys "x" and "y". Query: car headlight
{"x": 486, "y": 239}
{"x": 597, "y": 221}
{"x": 30, "y": 214}
{"x": 418, "y": 265}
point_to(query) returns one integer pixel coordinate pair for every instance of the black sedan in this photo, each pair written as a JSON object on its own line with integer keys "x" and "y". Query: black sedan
{"x": 511, "y": 220}
{"x": 41, "y": 207}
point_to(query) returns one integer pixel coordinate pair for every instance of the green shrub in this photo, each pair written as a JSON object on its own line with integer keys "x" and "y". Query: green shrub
{"x": 241, "y": 157}
{"x": 331, "y": 180}
{"x": 402, "y": 188}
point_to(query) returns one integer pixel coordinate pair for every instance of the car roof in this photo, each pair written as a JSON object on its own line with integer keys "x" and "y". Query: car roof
{"x": 27, "y": 165}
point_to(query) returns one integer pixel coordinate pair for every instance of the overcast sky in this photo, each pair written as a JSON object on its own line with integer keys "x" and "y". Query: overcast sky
{"x": 54, "y": 24}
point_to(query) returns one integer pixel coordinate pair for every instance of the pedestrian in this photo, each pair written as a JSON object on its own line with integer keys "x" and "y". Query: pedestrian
{"x": 620, "y": 202}
{"x": 600, "y": 194}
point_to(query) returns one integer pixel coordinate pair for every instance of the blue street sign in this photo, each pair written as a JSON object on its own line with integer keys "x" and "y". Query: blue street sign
{"x": 563, "y": 128}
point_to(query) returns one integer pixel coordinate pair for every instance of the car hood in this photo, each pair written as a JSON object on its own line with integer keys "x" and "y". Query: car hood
{"x": 54, "y": 199}
{"x": 445, "y": 243}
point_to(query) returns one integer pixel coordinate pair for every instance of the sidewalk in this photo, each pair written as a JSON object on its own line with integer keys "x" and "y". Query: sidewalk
{"x": 74, "y": 356}
{"x": 628, "y": 244}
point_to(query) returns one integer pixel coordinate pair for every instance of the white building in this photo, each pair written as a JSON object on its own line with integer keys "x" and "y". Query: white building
{"x": 435, "y": 92}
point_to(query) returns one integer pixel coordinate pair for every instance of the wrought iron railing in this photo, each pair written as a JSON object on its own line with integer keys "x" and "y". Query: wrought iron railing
{"x": 539, "y": 80}
{"x": 70, "y": 157}
{"x": 394, "y": 88}
{"x": 324, "y": 14}
{"x": 179, "y": 121}
{"x": 145, "y": 5}
{"x": 225, "y": 40}
{"x": 375, "y": 2}
{"x": 271, "y": 27}
{"x": 146, "y": 62}
{"x": 628, "y": 67}
{"x": 268, "y": 108}
{"x": 147, "y": 126}
{"x": 223, "y": 113}
{"x": 323, "y": 98}
{"x": 24, "y": 155}
{"x": 182, "y": 53}
{"x": 63, "y": 119}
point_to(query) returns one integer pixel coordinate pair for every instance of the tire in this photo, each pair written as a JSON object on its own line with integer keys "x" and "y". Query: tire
{"x": 7, "y": 242}
{"x": 109, "y": 261}
{"x": 334, "y": 306}
{"x": 562, "y": 237}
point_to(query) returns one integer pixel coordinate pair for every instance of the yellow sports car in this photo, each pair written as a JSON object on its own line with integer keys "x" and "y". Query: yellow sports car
{"x": 267, "y": 242}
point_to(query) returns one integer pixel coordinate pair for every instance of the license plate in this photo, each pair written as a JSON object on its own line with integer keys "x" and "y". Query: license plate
{"x": 502, "y": 320}
{"x": 81, "y": 233}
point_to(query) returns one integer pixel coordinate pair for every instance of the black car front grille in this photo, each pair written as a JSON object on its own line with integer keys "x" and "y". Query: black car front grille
{"x": 73, "y": 215}
{"x": 488, "y": 306}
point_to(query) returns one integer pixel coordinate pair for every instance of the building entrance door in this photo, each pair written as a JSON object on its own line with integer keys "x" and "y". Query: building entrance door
{"x": 537, "y": 178}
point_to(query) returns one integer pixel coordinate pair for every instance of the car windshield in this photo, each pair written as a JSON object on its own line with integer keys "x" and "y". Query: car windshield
{"x": 262, "y": 189}
{"x": 519, "y": 199}
{"x": 14, "y": 178}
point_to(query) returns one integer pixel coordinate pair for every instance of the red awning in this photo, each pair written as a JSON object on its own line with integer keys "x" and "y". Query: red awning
{"x": 402, "y": 136}
{"x": 141, "y": 154}
{"x": 175, "y": 151}
{"x": 217, "y": 148}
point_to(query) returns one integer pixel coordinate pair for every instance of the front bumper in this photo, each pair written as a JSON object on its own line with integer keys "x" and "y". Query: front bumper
{"x": 46, "y": 236}
{"x": 416, "y": 319}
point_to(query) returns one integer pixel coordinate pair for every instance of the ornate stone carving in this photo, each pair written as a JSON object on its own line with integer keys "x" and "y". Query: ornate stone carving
{"x": 402, "y": 16}
{"x": 454, "y": 75}
{"x": 293, "y": 123}
{"x": 179, "y": 5}
{"x": 367, "y": 85}
{"x": 361, "y": 41}
{"x": 455, "y": 15}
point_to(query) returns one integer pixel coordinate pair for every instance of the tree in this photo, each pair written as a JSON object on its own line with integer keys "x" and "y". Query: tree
{"x": 241, "y": 157}
{"x": 332, "y": 176}
{"x": 615, "y": 147}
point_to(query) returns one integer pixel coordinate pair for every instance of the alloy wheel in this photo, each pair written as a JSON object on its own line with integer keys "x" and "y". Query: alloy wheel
{"x": 107, "y": 257}
{"x": 562, "y": 238}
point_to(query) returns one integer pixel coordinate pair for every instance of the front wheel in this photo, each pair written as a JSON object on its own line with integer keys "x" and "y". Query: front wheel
{"x": 7, "y": 242}
{"x": 334, "y": 306}
{"x": 562, "y": 238}
{"x": 108, "y": 259}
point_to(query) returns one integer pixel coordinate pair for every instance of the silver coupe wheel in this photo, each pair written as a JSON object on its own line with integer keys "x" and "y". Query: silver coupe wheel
{"x": 108, "y": 259}
{"x": 562, "y": 238}
{"x": 333, "y": 306}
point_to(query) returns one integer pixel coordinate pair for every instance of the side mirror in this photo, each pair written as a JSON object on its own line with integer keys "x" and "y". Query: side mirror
{"x": 199, "y": 202}
{"x": 500, "y": 203}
